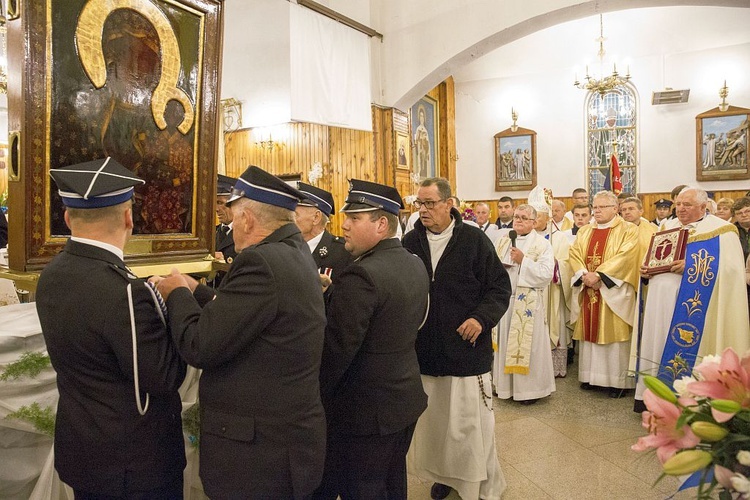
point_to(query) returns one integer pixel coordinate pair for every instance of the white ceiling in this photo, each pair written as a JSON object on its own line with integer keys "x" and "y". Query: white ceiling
{"x": 630, "y": 34}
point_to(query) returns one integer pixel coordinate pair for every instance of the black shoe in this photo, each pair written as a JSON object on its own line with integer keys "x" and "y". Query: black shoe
{"x": 616, "y": 393}
{"x": 586, "y": 386}
{"x": 527, "y": 402}
{"x": 639, "y": 406}
{"x": 439, "y": 491}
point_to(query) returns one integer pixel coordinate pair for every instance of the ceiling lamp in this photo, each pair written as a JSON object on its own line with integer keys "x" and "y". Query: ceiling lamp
{"x": 605, "y": 83}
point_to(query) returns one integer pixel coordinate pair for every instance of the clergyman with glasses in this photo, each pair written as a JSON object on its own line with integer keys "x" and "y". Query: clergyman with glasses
{"x": 712, "y": 272}
{"x": 604, "y": 262}
{"x": 522, "y": 370}
{"x": 469, "y": 293}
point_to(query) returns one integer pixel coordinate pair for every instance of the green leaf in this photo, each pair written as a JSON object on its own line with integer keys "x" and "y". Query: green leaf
{"x": 43, "y": 419}
{"x": 30, "y": 364}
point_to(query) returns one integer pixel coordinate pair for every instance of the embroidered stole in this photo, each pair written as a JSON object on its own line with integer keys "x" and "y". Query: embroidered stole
{"x": 689, "y": 317}
{"x": 518, "y": 355}
{"x": 592, "y": 299}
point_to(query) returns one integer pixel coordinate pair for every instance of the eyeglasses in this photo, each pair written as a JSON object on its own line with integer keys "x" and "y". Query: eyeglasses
{"x": 428, "y": 204}
{"x": 743, "y": 213}
{"x": 522, "y": 218}
{"x": 602, "y": 207}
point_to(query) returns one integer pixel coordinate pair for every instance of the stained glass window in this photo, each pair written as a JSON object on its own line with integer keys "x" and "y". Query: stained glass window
{"x": 611, "y": 127}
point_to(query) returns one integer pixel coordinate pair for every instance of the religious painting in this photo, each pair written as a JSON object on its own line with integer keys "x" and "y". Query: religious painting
{"x": 402, "y": 151}
{"x": 424, "y": 123}
{"x": 134, "y": 82}
{"x": 722, "y": 145}
{"x": 515, "y": 160}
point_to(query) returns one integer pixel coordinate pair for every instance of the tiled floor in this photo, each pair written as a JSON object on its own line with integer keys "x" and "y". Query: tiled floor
{"x": 573, "y": 445}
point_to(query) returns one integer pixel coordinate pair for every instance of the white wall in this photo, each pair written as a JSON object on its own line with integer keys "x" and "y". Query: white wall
{"x": 550, "y": 105}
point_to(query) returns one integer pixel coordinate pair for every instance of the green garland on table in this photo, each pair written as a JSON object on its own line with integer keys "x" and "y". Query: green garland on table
{"x": 191, "y": 424}
{"x": 30, "y": 365}
{"x": 43, "y": 419}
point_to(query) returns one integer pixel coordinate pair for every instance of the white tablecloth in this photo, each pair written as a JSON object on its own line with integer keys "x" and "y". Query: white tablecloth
{"x": 26, "y": 455}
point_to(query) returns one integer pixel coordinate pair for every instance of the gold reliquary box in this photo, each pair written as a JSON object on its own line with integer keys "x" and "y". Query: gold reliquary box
{"x": 137, "y": 80}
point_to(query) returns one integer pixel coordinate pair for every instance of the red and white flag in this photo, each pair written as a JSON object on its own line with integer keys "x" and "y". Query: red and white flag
{"x": 615, "y": 171}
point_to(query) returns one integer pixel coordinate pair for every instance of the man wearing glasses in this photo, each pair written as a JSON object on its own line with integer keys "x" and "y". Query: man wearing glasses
{"x": 523, "y": 364}
{"x": 469, "y": 293}
{"x": 712, "y": 271}
{"x": 603, "y": 259}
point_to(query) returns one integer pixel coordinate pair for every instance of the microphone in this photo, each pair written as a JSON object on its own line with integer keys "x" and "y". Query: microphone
{"x": 513, "y": 235}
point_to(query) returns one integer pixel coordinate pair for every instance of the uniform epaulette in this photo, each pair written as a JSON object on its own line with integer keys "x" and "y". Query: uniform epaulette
{"x": 125, "y": 273}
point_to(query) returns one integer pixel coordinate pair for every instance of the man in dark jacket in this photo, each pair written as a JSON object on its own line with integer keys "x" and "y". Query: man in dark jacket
{"x": 118, "y": 432}
{"x": 313, "y": 214}
{"x": 369, "y": 376}
{"x": 3, "y": 230}
{"x": 223, "y": 239}
{"x": 259, "y": 341}
{"x": 469, "y": 293}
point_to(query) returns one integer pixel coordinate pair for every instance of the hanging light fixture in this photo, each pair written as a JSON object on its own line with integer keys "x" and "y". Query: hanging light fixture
{"x": 605, "y": 83}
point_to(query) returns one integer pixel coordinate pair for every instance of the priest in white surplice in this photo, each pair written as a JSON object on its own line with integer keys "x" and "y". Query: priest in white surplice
{"x": 523, "y": 363}
{"x": 713, "y": 251}
{"x": 603, "y": 258}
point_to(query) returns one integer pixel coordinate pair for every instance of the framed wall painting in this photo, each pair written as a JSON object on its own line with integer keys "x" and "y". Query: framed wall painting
{"x": 515, "y": 160}
{"x": 92, "y": 80}
{"x": 402, "y": 151}
{"x": 424, "y": 122}
{"x": 721, "y": 145}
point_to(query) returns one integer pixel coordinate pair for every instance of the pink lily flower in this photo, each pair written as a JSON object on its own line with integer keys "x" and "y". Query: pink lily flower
{"x": 661, "y": 422}
{"x": 730, "y": 379}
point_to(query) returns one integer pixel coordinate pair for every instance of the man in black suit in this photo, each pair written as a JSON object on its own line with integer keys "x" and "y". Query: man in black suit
{"x": 369, "y": 376}
{"x": 118, "y": 432}
{"x": 313, "y": 215}
{"x": 224, "y": 241}
{"x": 258, "y": 339}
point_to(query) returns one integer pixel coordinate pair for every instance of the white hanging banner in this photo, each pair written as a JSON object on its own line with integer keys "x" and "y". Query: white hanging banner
{"x": 330, "y": 72}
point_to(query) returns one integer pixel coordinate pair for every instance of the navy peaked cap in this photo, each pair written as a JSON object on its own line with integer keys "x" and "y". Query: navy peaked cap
{"x": 316, "y": 197}
{"x": 366, "y": 196}
{"x": 95, "y": 184}
{"x": 258, "y": 185}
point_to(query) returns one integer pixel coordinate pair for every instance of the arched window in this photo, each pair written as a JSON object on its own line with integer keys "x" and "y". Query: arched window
{"x": 611, "y": 127}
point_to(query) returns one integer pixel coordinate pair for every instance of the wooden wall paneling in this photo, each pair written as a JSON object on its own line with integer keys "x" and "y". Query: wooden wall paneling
{"x": 448, "y": 155}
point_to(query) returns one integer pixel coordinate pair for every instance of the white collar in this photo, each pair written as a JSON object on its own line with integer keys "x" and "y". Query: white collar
{"x": 313, "y": 243}
{"x": 100, "y": 244}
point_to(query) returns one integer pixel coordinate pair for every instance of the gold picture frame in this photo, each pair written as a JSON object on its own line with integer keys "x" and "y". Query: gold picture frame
{"x": 721, "y": 149}
{"x": 402, "y": 151}
{"x": 515, "y": 160}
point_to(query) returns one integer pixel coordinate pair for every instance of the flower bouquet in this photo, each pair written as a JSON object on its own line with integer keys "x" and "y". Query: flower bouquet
{"x": 468, "y": 214}
{"x": 704, "y": 429}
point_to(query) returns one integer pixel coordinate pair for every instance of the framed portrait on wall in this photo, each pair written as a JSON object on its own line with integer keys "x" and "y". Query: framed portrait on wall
{"x": 402, "y": 151}
{"x": 721, "y": 145}
{"x": 515, "y": 160}
{"x": 424, "y": 123}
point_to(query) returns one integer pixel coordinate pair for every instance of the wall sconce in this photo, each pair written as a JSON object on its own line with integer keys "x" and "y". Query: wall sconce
{"x": 232, "y": 114}
{"x": 723, "y": 93}
{"x": 270, "y": 144}
{"x": 513, "y": 115}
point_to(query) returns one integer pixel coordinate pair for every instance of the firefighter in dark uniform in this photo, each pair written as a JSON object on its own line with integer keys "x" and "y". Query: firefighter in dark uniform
{"x": 118, "y": 431}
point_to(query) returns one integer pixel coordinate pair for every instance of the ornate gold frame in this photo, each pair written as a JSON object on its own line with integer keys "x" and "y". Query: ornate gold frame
{"x": 31, "y": 90}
